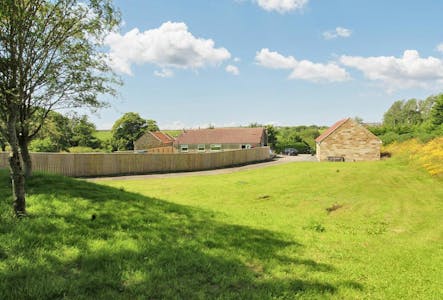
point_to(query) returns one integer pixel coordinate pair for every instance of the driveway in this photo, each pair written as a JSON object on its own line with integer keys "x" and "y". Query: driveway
{"x": 281, "y": 159}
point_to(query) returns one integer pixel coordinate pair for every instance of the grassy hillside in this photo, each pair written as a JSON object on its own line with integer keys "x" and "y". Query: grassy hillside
{"x": 302, "y": 230}
{"x": 173, "y": 133}
{"x": 103, "y": 135}
{"x": 106, "y": 135}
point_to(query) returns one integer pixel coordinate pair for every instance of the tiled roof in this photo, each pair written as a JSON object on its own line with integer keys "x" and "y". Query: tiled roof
{"x": 222, "y": 136}
{"x": 330, "y": 130}
{"x": 164, "y": 138}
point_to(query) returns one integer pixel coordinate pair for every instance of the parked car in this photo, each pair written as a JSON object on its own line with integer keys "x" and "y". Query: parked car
{"x": 290, "y": 152}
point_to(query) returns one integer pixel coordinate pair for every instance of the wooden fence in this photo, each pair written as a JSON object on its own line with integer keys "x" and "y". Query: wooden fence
{"x": 109, "y": 164}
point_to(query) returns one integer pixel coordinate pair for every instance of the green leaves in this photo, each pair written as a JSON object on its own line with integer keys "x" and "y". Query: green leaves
{"x": 128, "y": 129}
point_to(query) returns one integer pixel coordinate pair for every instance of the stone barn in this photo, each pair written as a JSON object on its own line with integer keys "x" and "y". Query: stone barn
{"x": 347, "y": 140}
{"x": 154, "y": 140}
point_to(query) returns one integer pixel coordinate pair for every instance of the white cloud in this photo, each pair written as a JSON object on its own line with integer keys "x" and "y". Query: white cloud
{"x": 394, "y": 73}
{"x": 233, "y": 70}
{"x": 164, "y": 73}
{"x": 169, "y": 46}
{"x": 237, "y": 59}
{"x": 274, "y": 60}
{"x": 301, "y": 69}
{"x": 440, "y": 47}
{"x": 281, "y": 6}
{"x": 338, "y": 32}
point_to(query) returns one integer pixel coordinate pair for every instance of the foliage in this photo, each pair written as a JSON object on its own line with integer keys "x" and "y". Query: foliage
{"x": 61, "y": 133}
{"x": 301, "y": 138}
{"x": 127, "y": 130}
{"x": 151, "y": 125}
{"x": 83, "y": 133}
{"x": 3, "y": 143}
{"x": 272, "y": 135}
{"x": 211, "y": 237}
{"x": 255, "y": 125}
{"x": 436, "y": 115}
{"x": 103, "y": 135}
{"x": 428, "y": 155}
{"x": 420, "y": 119}
{"x": 83, "y": 149}
{"x": 50, "y": 58}
{"x": 64, "y": 67}
{"x": 44, "y": 145}
{"x": 403, "y": 113}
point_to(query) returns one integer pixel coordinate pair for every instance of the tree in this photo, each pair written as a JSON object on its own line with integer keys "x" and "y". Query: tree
{"x": 393, "y": 117}
{"x": 55, "y": 136}
{"x": 272, "y": 135}
{"x": 2, "y": 143}
{"x": 411, "y": 114}
{"x": 425, "y": 106}
{"x": 50, "y": 58}
{"x": 254, "y": 125}
{"x": 358, "y": 120}
{"x": 436, "y": 114}
{"x": 151, "y": 125}
{"x": 83, "y": 132}
{"x": 127, "y": 130}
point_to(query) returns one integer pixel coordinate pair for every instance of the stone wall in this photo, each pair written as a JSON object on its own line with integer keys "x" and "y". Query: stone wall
{"x": 148, "y": 141}
{"x": 351, "y": 141}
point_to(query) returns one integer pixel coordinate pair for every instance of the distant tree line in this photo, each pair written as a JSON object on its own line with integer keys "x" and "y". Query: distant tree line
{"x": 63, "y": 133}
{"x": 301, "y": 138}
{"x": 76, "y": 133}
{"x": 413, "y": 118}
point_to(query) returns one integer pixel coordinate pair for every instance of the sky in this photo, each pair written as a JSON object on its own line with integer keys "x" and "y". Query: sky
{"x": 188, "y": 64}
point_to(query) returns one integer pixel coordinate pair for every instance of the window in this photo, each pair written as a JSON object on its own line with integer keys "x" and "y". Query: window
{"x": 216, "y": 147}
{"x": 201, "y": 147}
{"x": 183, "y": 148}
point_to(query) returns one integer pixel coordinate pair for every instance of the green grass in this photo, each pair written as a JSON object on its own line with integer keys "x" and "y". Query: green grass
{"x": 173, "y": 133}
{"x": 103, "y": 135}
{"x": 259, "y": 234}
{"x": 106, "y": 135}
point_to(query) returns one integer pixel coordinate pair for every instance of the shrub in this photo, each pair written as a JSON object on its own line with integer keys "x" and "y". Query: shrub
{"x": 428, "y": 155}
{"x": 43, "y": 145}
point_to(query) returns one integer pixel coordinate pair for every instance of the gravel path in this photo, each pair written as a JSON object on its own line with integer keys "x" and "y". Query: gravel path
{"x": 277, "y": 161}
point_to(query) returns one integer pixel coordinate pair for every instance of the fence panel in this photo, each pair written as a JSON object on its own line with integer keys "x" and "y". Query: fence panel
{"x": 108, "y": 164}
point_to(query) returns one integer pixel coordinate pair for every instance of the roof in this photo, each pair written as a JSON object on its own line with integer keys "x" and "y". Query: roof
{"x": 222, "y": 136}
{"x": 163, "y": 137}
{"x": 330, "y": 130}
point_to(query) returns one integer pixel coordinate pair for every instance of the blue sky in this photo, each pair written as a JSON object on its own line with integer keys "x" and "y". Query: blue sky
{"x": 286, "y": 62}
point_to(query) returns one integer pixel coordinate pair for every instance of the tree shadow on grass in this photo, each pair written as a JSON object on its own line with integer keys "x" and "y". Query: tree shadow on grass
{"x": 84, "y": 240}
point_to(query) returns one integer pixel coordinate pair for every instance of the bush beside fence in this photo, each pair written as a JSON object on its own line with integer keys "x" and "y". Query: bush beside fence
{"x": 109, "y": 164}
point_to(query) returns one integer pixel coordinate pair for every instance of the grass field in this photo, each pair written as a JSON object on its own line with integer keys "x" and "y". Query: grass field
{"x": 173, "y": 133}
{"x": 301, "y": 230}
{"x": 106, "y": 135}
{"x": 103, "y": 135}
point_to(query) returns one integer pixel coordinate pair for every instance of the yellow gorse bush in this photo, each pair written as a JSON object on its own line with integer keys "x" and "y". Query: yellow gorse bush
{"x": 429, "y": 155}
{"x": 432, "y": 158}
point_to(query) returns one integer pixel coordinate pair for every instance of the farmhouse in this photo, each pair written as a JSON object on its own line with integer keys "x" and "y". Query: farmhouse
{"x": 347, "y": 140}
{"x": 219, "y": 139}
{"x": 154, "y": 140}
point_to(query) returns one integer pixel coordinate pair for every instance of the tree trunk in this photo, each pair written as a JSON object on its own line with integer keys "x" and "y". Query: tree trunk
{"x": 17, "y": 175}
{"x": 18, "y": 184}
{"x": 26, "y": 157}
